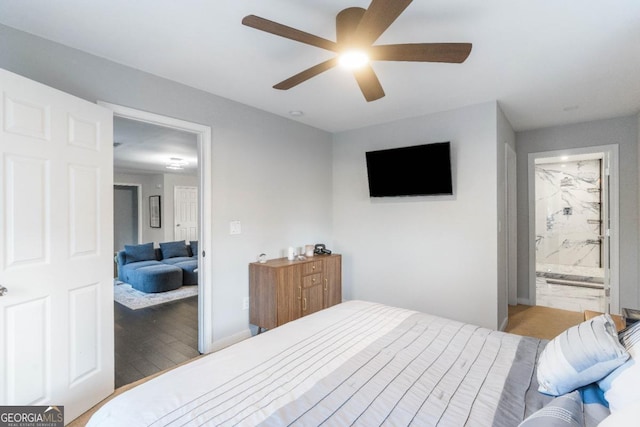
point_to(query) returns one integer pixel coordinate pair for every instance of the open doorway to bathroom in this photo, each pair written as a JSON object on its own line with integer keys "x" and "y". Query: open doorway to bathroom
{"x": 570, "y": 198}
{"x": 574, "y": 215}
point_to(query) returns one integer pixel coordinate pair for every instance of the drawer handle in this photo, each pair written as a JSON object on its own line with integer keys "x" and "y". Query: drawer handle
{"x": 313, "y": 280}
{"x": 300, "y": 289}
{"x": 304, "y": 304}
{"x": 326, "y": 282}
{"x": 313, "y": 267}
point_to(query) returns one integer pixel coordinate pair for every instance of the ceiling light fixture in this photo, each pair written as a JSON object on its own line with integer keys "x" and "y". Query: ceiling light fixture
{"x": 353, "y": 59}
{"x": 296, "y": 113}
{"x": 176, "y": 163}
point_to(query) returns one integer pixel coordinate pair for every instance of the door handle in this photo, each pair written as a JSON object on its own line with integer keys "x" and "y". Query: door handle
{"x": 3, "y": 290}
{"x": 304, "y": 304}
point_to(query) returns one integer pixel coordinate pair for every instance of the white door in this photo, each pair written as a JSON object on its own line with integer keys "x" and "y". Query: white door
{"x": 56, "y": 237}
{"x": 186, "y": 213}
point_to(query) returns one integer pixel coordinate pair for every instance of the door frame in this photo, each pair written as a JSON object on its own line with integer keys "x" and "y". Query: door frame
{"x": 139, "y": 187}
{"x": 205, "y": 269}
{"x": 511, "y": 204}
{"x": 611, "y": 153}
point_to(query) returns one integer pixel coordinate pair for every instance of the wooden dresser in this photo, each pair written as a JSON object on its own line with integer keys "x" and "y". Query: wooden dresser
{"x": 281, "y": 290}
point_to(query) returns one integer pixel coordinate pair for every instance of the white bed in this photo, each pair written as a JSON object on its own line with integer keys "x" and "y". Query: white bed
{"x": 357, "y": 363}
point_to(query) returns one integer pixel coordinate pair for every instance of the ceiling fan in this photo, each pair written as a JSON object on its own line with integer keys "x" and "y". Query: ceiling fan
{"x": 356, "y": 31}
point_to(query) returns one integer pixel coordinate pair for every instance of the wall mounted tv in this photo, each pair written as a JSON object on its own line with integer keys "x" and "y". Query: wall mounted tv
{"x": 419, "y": 170}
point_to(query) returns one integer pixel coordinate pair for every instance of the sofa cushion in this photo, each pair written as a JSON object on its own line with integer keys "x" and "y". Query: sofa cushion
{"x": 174, "y": 249}
{"x": 189, "y": 268}
{"x": 193, "y": 245}
{"x": 135, "y": 253}
{"x": 124, "y": 272}
{"x": 189, "y": 271}
{"x": 177, "y": 259}
{"x": 156, "y": 278}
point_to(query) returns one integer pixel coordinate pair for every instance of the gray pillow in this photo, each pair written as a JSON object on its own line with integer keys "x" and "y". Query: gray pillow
{"x": 563, "y": 411}
{"x": 174, "y": 249}
{"x": 194, "y": 247}
{"x": 135, "y": 253}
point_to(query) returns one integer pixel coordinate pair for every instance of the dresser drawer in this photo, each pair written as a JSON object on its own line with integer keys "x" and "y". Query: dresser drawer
{"x": 311, "y": 280}
{"x": 312, "y": 267}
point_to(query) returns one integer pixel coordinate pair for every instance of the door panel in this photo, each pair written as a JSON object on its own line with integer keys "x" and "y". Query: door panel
{"x": 312, "y": 299}
{"x": 26, "y": 332}
{"x": 289, "y": 294}
{"x": 27, "y": 229}
{"x": 56, "y": 239}
{"x": 332, "y": 281}
{"x": 84, "y": 200}
{"x": 186, "y": 213}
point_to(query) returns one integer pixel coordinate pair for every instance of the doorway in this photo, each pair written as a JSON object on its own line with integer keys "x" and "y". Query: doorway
{"x": 126, "y": 213}
{"x": 573, "y": 229}
{"x": 203, "y": 137}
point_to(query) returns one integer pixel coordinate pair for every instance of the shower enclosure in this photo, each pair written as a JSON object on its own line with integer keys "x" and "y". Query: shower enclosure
{"x": 569, "y": 233}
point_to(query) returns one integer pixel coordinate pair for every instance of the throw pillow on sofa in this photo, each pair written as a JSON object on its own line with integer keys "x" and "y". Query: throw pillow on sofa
{"x": 194, "y": 247}
{"x": 174, "y": 249}
{"x": 135, "y": 253}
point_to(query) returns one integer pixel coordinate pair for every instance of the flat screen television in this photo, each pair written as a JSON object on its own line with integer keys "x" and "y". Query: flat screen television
{"x": 419, "y": 170}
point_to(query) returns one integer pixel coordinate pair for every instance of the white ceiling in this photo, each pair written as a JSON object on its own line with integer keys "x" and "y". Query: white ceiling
{"x": 547, "y": 62}
{"x": 145, "y": 148}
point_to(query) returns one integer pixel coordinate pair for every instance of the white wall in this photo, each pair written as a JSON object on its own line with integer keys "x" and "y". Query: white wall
{"x": 434, "y": 254}
{"x": 271, "y": 173}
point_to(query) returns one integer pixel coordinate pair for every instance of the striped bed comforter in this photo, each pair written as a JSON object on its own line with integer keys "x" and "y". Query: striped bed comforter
{"x": 357, "y": 363}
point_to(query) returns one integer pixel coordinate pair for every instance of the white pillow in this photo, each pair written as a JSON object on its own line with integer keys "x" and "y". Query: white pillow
{"x": 582, "y": 354}
{"x": 621, "y": 387}
{"x": 627, "y": 417}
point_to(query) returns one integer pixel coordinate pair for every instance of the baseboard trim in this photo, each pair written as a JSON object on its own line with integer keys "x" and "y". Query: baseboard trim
{"x": 524, "y": 301}
{"x": 230, "y": 340}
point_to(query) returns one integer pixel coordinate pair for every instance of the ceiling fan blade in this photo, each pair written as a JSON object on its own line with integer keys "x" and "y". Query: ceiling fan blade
{"x": 421, "y": 52}
{"x": 369, "y": 83}
{"x": 306, "y": 74}
{"x": 377, "y": 18}
{"x": 288, "y": 32}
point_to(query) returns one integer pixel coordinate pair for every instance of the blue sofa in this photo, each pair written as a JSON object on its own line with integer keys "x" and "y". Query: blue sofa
{"x": 162, "y": 269}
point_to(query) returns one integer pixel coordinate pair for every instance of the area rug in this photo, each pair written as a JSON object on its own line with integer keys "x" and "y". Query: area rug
{"x": 134, "y": 299}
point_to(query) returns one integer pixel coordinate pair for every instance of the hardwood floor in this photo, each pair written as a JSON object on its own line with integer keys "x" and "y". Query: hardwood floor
{"x": 541, "y": 322}
{"x": 153, "y": 339}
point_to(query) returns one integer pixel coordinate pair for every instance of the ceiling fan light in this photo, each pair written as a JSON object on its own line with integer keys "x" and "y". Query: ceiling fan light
{"x": 176, "y": 163}
{"x": 353, "y": 59}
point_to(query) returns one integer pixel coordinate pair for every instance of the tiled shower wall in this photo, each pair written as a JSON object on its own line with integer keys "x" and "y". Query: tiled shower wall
{"x": 568, "y": 218}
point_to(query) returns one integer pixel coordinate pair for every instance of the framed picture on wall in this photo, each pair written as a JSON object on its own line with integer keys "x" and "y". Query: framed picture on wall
{"x": 154, "y": 211}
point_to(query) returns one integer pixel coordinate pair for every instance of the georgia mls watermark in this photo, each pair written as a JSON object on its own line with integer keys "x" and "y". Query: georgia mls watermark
{"x": 31, "y": 416}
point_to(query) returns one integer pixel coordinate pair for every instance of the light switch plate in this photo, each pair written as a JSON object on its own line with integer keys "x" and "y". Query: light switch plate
{"x": 235, "y": 227}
